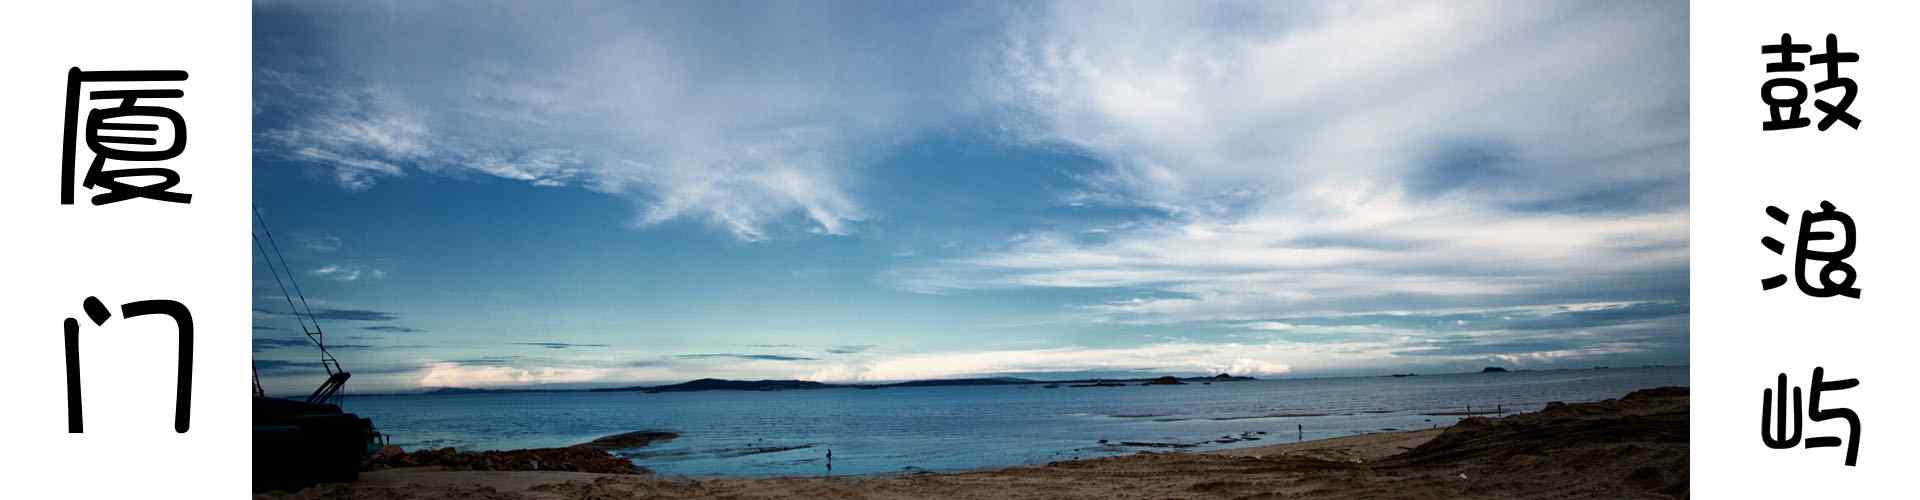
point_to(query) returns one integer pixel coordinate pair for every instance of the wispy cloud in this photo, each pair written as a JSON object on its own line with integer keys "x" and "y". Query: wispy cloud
{"x": 280, "y": 365}
{"x": 752, "y": 357}
{"x": 653, "y": 108}
{"x": 850, "y": 349}
{"x": 318, "y": 243}
{"x": 338, "y": 314}
{"x": 1199, "y": 358}
{"x": 493, "y": 375}
{"x": 557, "y": 345}
{"x": 486, "y": 360}
{"x": 348, "y": 272}
{"x": 267, "y": 344}
{"x": 1430, "y": 165}
{"x": 392, "y": 329}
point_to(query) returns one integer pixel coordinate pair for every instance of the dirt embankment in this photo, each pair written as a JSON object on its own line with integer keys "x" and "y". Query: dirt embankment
{"x": 1633, "y": 447}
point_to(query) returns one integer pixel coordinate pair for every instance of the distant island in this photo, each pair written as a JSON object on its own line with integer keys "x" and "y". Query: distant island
{"x": 449, "y": 391}
{"x": 1493, "y": 369}
{"x": 714, "y": 384}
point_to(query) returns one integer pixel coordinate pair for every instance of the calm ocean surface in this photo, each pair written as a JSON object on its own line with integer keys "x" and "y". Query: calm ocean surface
{"x": 952, "y": 428}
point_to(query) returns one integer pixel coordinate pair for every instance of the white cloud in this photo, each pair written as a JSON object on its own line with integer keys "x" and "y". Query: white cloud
{"x": 348, "y": 272}
{"x": 756, "y": 130}
{"x": 1253, "y": 367}
{"x": 1192, "y": 101}
{"x": 1264, "y": 265}
{"x": 1182, "y": 357}
{"x": 1336, "y": 158}
{"x": 447, "y": 374}
{"x": 322, "y": 243}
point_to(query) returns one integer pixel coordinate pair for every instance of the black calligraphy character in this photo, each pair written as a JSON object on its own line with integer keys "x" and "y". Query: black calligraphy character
{"x": 106, "y": 119}
{"x": 1818, "y": 414}
{"x": 1786, "y": 49}
{"x": 1832, "y": 59}
{"x": 98, "y": 313}
{"x": 1779, "y": 439}
{"x": 1833, "y": 259}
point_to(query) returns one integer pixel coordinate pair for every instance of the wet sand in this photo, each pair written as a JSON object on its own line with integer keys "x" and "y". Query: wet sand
{"x": 1634, "y": 447}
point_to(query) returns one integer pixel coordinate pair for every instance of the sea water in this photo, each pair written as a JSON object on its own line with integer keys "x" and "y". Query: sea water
{"x": 888, "y": 430}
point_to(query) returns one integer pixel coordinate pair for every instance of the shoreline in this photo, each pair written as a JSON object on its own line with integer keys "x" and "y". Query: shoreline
{"x": 925, "y": 383}
{"x": 1632, "y": 447}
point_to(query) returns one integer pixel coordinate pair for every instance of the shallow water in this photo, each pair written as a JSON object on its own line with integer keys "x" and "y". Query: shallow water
{"x": 967, "y": 427}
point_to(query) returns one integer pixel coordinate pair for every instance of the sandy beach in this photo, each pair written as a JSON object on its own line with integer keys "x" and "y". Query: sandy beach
{"x": 1633, "y": 447}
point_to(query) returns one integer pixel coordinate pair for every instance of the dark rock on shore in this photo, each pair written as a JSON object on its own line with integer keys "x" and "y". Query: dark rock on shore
{"x": 1142, "y": 444}
{"x": 571, "y": 459}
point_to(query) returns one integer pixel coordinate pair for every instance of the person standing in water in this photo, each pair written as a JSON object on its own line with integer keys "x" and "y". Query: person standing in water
{"x": 829, "y": 461}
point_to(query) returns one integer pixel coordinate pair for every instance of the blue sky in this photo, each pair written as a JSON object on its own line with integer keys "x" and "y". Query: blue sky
{"x": 584, "y": 194}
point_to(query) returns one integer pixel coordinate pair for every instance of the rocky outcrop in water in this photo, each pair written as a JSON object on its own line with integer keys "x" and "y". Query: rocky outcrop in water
{"x": 1164, "y": 381}
{"x": 636, "y": 439}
